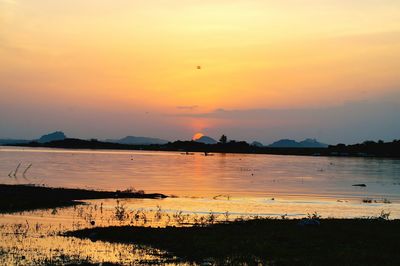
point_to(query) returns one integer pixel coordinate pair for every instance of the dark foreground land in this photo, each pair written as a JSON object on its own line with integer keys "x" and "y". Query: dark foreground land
{"x": 15, "y": 198}
{"x": 269, "y": 241}
{"x": 365, "y": 149}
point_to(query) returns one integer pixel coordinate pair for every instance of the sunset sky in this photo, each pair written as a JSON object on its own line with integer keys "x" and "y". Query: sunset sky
{"x": 268, "y": 69}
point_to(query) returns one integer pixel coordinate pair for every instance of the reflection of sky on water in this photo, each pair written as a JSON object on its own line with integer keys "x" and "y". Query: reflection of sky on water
{"x": 33, "y": 237}
{"x": 197, "y": 175}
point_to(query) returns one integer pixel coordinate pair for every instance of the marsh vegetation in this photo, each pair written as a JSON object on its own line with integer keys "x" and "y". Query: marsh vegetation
{"x": 268, "y": 241}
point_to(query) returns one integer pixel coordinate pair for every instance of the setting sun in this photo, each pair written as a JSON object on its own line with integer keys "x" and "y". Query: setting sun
{"x": 197, "y": 136}
{"x": 196, "y": 132}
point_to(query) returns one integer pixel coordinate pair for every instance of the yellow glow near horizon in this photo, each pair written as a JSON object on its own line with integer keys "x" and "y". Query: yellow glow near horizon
{"x": 253, "y": 54}
{"x": 197, "y": 136}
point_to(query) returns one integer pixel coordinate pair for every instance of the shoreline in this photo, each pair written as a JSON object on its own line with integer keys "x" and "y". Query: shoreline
{"x": 309, "y": 152}
{"x": 367, "y": 149}
{"x": 18, "y": 198}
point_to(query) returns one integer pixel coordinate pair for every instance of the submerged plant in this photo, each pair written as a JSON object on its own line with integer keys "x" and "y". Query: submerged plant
{"x": 384, "y": 215}
{"x": 313, "y": 216}
{"x": 16, "y": 170}
{"x": 385, "y": 200}
{"x": 367, "y": 200}
{"x": 26, "y": 170}
{"x": 211, "y": 218}
{"x": 226, "y": 216}
{"x": 179, "y": 217}
{"x": 120, "y": 212}
{"x": 158, "y": 214}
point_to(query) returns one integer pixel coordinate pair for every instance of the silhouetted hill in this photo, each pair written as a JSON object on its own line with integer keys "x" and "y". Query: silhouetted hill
{"x": 285, "y": 143}
{"x": 312, "y": 143}
{"x": 257, "y": 144}
{"x": 289, "y": 143}
{"x": 138, "y": 140}
{"x": 206, "y": 140}
{"x": 57, "y": 135}
{"x": 80, "y": 144}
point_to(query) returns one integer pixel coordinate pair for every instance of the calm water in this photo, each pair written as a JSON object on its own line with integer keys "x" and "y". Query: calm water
{"x": 226, "y": 186}
{"x": 205, "y": 176}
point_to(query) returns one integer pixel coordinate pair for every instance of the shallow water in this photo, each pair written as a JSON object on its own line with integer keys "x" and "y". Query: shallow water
{"x": 208, "y": 189}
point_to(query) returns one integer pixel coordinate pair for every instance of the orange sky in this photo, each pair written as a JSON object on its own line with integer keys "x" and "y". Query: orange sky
{"x": 142, "y": 56}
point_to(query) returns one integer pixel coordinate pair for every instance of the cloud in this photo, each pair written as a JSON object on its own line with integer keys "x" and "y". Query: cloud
{"x": 246, "y": 114}
{"x": 187, "y": 107}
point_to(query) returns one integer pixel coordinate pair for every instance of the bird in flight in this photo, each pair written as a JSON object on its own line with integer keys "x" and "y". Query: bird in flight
{"x": 198, "y": 67}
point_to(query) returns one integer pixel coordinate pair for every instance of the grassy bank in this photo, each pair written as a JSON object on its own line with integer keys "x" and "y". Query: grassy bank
{"x": 15, "y": 198}
{"x": 269, "y": 241}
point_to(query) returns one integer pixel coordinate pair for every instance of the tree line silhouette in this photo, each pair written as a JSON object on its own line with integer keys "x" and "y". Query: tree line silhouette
{"x": 365, "y": 149}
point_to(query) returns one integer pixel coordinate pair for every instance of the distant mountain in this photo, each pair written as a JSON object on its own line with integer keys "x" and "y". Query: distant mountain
{"x": 57, "y": 135}
{"x": 289, "y": 143}
{"x": 257, "y": 144}
{"x": 312, "y": 143}
{"x": 206, "y": 140}
{"x": 285, "y": 143}
{"x": 138, "y": 140}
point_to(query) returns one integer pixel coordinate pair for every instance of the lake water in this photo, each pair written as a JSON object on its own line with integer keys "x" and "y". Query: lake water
{"x": 197, "y": 175}
{"x": 224, "y": 186}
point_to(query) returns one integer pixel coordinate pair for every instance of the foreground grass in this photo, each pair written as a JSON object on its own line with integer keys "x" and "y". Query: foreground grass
{"x": 16, "y": 198}
{"x": 269, "y": 241}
